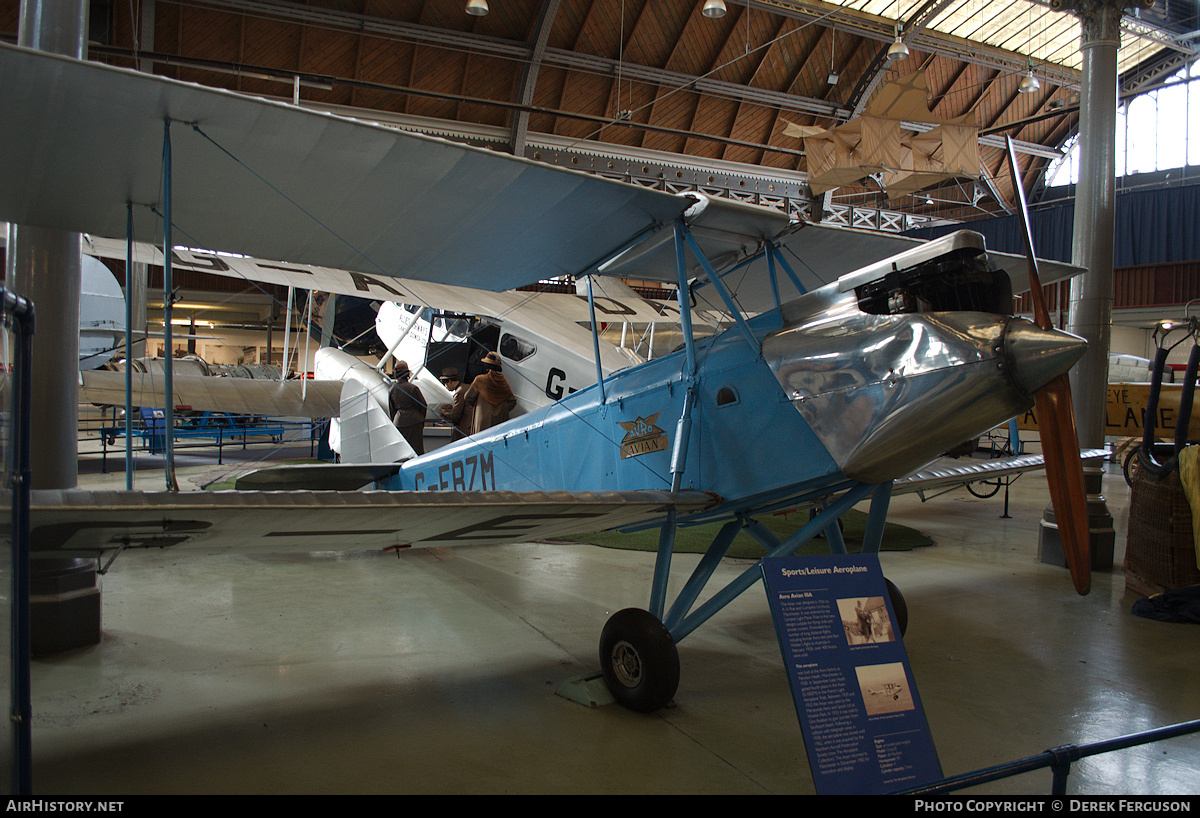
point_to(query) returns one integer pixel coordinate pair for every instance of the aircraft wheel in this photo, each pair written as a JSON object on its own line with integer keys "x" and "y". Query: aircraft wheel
{"x": 639, "y": 660}
{"x": 984, "y": 488}
{"x": 898, "y": 605}
{"x": 1128, "y": 465}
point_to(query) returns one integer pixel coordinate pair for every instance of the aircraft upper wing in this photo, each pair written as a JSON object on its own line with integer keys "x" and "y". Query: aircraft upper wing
{"x": 276, "y": 181}
{"x": 75, "y": 522}
{"x": 240, "y": 396}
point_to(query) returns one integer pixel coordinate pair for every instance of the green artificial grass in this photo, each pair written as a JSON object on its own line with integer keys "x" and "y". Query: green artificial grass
{"x": 696, "y": 539}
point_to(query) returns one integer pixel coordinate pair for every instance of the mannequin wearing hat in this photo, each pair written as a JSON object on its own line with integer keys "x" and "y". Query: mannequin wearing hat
{"x": 490, "y": 400}
{"x": 407, "y": 407}
{"x": 456, "y": 411}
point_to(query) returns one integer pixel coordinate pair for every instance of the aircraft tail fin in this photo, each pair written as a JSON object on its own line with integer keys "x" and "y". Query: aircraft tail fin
{"x": 367, "y": 433}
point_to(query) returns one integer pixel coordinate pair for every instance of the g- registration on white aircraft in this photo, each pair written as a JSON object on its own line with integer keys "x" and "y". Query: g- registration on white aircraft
{"x": 822, "y": 399}
{"x": 543, "y": 337}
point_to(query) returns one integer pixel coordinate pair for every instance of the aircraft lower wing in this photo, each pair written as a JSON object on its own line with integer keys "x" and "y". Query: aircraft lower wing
{"x": 87, "y": 523}
{"x": 239, "y": 396}
{"x": 941, "y": 474}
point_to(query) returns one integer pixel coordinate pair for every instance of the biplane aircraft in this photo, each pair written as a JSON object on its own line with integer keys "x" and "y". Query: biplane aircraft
{"x": 887, "y": 689}
{"x": 543, "y": 338}
{"x": 818, "y": 400}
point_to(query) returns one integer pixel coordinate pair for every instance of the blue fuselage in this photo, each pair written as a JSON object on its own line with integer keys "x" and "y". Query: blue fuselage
{"x": 746, "y": 442}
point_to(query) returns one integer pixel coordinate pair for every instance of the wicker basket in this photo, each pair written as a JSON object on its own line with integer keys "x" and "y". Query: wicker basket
{"x": 1160, "y": 553}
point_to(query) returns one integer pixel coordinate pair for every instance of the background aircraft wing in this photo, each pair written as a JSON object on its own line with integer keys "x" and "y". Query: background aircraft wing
{"x": 89, "y": 522}
{"x": 239, "y": 396}
{"x": 448, "y": 297}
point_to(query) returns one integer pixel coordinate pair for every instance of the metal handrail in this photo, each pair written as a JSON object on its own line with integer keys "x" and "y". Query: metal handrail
{"x": 222, "y": 436}
{"x": 1058, "y": 759}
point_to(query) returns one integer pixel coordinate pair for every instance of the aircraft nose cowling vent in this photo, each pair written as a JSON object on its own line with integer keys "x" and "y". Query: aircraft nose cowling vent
{"x": 1036, "y": 356}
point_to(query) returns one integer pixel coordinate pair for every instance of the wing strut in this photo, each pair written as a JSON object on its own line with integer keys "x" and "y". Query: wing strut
{"x": 128, "y": 346}
{"x": 776, "y": 257}
{"x": 683, "y": 428}
{"x": 595, "y": 339}
{"x": 168, "y": 310}
{"x": 721, "y": 289}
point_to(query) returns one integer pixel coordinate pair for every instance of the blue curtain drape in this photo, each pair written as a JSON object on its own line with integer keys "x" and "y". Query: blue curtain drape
{"x": 1151, "y": 227}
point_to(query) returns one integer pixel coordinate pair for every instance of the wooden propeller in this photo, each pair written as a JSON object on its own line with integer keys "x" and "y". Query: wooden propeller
{"x": 1056, "y": 422}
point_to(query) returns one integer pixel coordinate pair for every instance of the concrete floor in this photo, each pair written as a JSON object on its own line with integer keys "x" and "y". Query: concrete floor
{"x": 436, "y": 671}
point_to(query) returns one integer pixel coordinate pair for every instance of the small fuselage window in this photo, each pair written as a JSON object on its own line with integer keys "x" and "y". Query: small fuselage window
{"x": 514, "y": 348}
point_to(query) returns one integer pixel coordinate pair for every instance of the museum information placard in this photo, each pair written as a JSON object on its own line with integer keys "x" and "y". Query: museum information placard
{"x": 863, "y": 724}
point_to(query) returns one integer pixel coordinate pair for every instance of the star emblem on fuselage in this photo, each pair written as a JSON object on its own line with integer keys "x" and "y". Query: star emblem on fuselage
{"x": 642, "y": 436}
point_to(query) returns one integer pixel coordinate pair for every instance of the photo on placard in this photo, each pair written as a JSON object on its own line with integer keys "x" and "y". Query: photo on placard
{"x": 884, "y": 688}
{"x": 866, "y": 620}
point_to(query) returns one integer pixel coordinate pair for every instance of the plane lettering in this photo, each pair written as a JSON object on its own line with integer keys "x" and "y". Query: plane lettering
{"x": 616, "y": 308}
{"x": 285, "y": 269}
{"x": 474, "y": 473}
{"x": 364, "y": 282}
{"x": 215, "y": 264}
{"x": 509, "y": 525}
{"x": 554, "y": 389}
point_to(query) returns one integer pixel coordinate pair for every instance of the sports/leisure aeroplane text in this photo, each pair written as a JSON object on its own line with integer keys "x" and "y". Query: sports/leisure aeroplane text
{"x": 818, "y": 400}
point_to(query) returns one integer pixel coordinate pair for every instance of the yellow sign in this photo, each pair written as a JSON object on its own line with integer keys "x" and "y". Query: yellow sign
{"x": 1125, "y": 406}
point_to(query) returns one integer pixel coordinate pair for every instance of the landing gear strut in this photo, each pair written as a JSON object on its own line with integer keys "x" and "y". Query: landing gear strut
{"x": 639, "y": 660}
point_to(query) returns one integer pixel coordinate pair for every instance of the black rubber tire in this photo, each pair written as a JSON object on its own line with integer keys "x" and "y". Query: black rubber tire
{"x": 984, "y": 489}
{"x": 899, "y": 606}
{"x": 639, "y": 660}
{"x": 1127, "y": 465}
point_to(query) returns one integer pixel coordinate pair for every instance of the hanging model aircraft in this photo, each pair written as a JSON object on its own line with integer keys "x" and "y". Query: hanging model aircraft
{"x": 821, "y": 400}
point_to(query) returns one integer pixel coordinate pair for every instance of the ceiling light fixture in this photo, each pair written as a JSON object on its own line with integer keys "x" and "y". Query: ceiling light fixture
{"x": 713, "y": 8}
{"x": 1029, "y": 83}
{"x": 897, "y": 50}
{"x": 477, "y": 8}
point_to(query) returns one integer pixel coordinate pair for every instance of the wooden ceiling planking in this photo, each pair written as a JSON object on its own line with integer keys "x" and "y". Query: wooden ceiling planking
{"x": 582, "y": 93}
{"x": 751, "y": 123}
{"x": 673, "y": 110}
{"x": 271, "y": 42}
{"x": 653, "y": 34}
{"x": 713, "y": 115}
{"x": 487, "y": 78}
{"x": 216, "y": 34}
{"x": 387, "y": 63}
